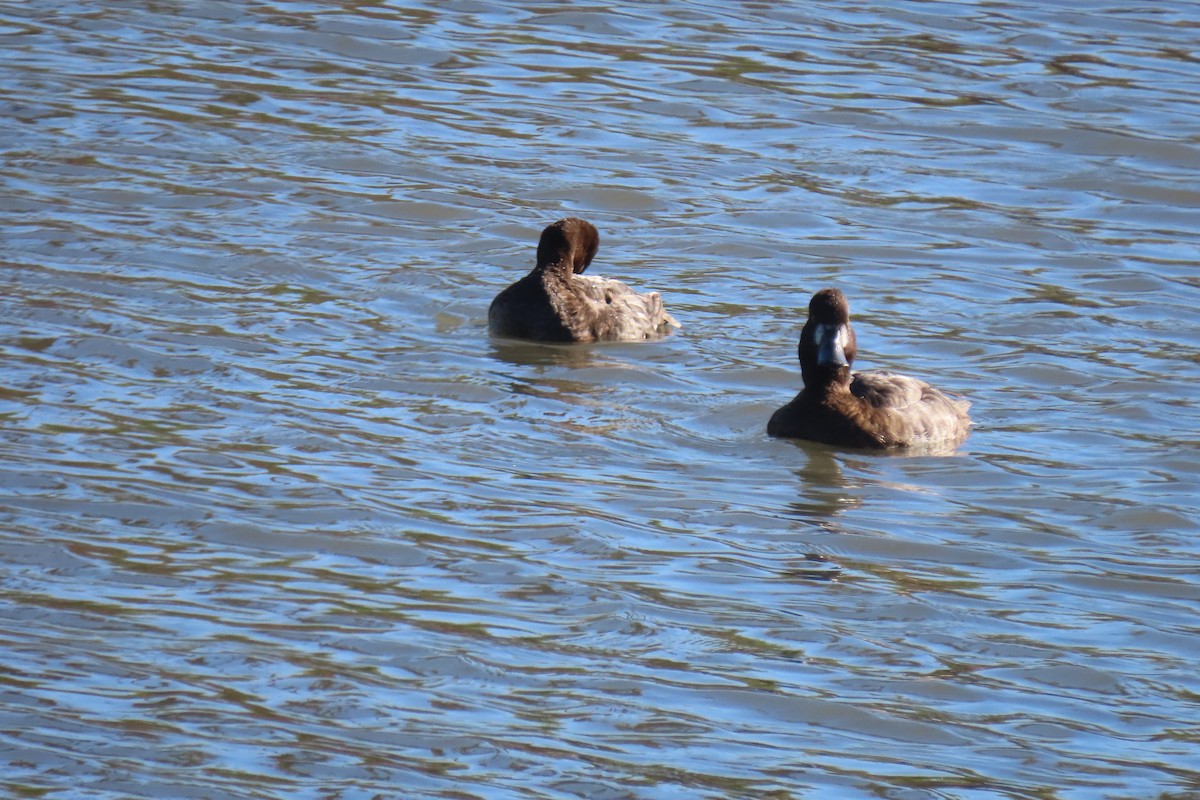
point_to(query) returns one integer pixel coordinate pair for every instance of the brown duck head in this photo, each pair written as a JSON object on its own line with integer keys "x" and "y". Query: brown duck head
{"x": 569, "y": 242}
{"x": 827, "y": 343}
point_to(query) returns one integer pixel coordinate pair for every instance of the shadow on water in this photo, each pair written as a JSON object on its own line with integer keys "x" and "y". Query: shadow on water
{"x": 539, "y": 354}
{"x": 523, "y": 353}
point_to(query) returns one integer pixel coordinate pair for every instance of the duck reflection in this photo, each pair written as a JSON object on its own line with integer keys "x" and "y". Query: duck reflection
{"x": 535, "y": 354}
{"x": 563, "y": 375}
{"x": 823, "y": 485}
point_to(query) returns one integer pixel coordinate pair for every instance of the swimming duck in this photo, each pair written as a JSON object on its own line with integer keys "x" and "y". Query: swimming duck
{"x": 864, "y": 409}
{"x": 556, "y": 302}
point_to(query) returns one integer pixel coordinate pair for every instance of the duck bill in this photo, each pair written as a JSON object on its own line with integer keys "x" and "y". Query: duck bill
{"x": 831, "y": 345}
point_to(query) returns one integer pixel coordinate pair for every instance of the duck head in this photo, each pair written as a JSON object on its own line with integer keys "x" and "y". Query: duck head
{"x": 827, "y": 343}
{"x": 569, "y": 242}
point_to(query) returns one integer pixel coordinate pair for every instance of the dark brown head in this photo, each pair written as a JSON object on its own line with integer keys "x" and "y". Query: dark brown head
{"x": 571, "y": 241}
{"x": 827, "y": 343}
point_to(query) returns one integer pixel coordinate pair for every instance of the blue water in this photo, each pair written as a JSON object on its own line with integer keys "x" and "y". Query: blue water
{"x": 280, "y": 520}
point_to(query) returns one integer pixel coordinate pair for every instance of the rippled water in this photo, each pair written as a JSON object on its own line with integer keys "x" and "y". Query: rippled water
{"x": 281, "y": 521}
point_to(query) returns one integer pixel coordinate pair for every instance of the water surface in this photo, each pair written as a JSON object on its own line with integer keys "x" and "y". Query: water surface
{"x": 281, "y": 521}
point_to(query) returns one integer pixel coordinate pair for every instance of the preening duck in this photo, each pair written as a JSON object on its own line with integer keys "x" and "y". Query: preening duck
{"x": 556, "y": 302}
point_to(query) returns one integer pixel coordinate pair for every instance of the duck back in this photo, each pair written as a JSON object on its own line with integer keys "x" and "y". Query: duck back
{"x": 908, "y": 412}
{"x": 622, "y": 314}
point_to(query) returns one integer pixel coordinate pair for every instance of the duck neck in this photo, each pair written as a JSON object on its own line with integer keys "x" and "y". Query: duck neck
{"x": 823, "y": 381}
{"x": 558, "y": 271}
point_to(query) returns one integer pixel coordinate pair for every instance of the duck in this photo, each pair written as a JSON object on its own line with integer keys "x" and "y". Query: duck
{"x": 874, "y": 409}
{"x": 556, "y": 302}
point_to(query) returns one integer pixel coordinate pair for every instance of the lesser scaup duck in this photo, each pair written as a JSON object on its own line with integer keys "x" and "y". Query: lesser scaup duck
{"x": 556, "y": 302}
{"x": 864, "y": 409}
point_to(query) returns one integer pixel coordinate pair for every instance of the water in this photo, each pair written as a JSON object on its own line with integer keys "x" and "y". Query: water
{"x": 280, "y": 521}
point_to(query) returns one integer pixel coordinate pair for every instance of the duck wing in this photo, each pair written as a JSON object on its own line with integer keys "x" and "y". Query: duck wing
{"x": 908, "y": 411}
{"x": 888, "y": 390}
{"x": 621, "y": 313}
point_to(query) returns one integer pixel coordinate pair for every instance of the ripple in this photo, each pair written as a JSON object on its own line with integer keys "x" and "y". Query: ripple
{"x": 281, "y": 520}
